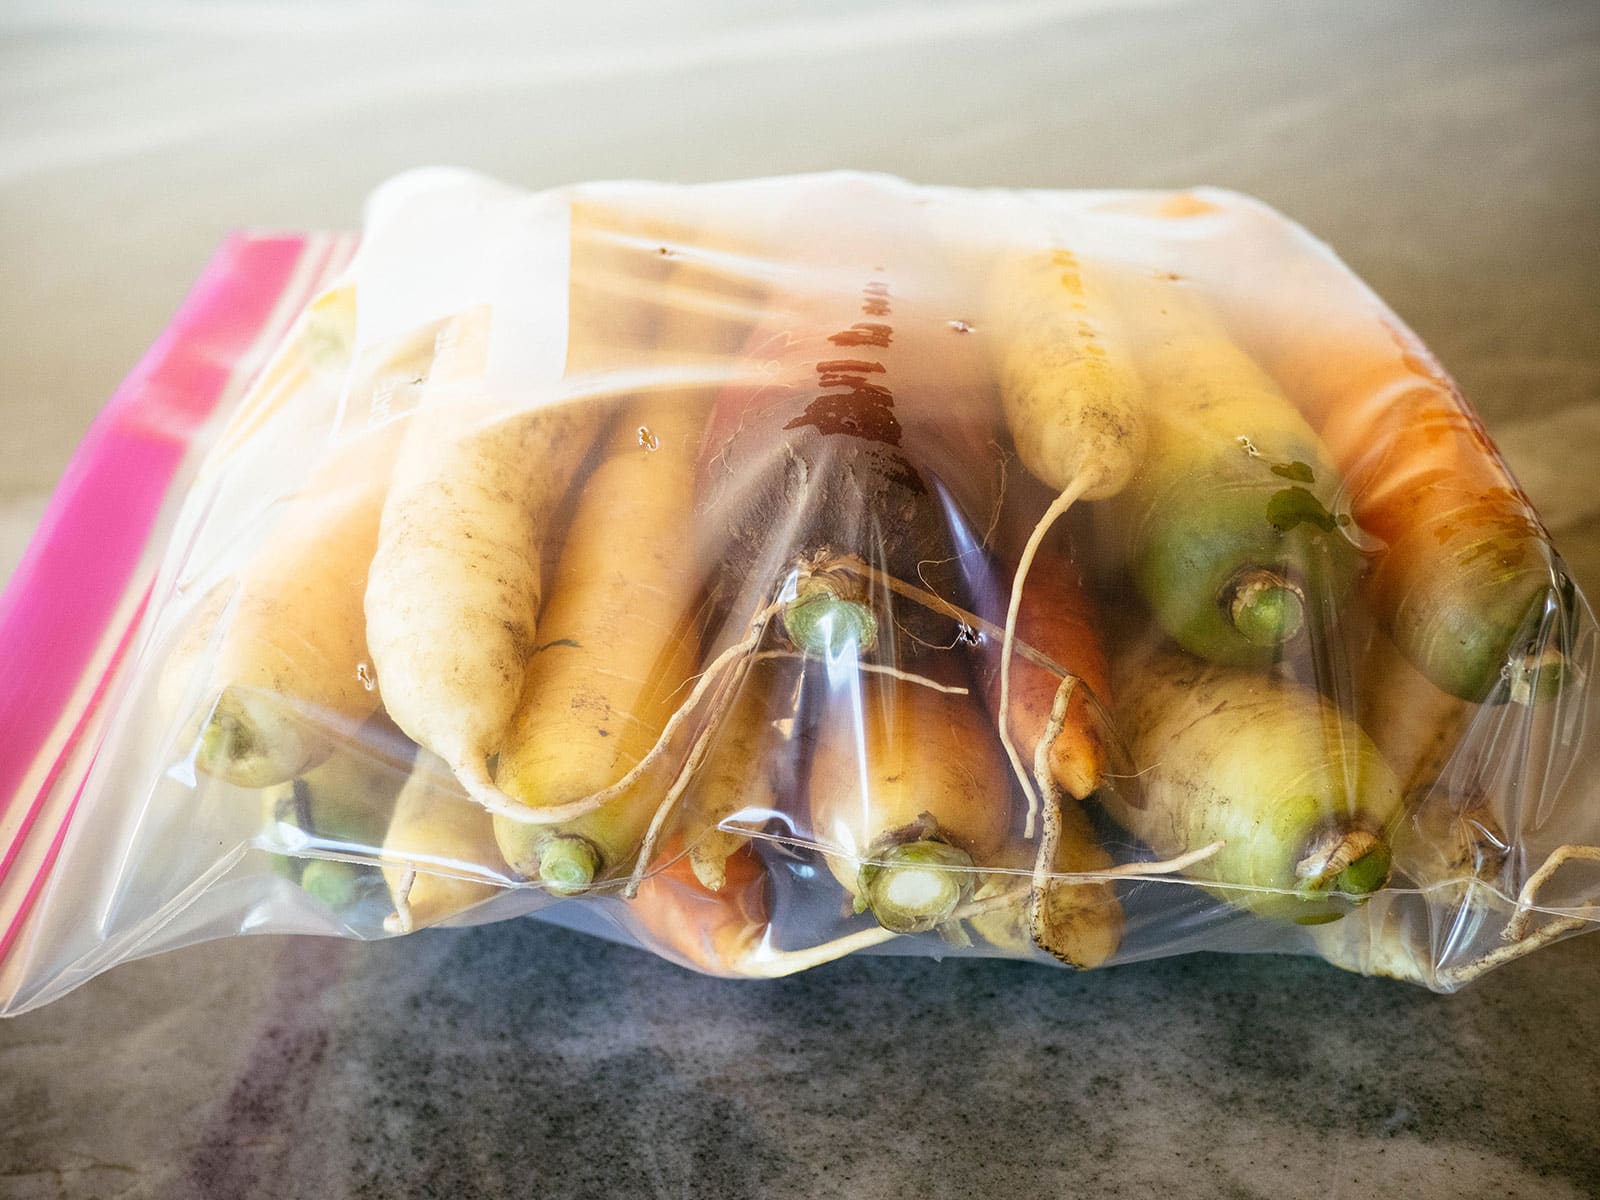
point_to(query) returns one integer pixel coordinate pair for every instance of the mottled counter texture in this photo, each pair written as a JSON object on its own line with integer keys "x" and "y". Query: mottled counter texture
{"x": 525, "y": 1060}
{"x": 1447, "y": 149}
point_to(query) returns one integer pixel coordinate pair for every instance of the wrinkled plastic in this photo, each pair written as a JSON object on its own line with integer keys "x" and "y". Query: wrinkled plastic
{"x": 682, "y": 528}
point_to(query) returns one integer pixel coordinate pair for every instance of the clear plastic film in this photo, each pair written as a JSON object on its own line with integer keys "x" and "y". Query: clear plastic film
{"x": 767, "y": 572}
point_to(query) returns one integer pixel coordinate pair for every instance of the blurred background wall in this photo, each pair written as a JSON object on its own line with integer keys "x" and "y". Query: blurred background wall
{"x": 1445, "y": 147}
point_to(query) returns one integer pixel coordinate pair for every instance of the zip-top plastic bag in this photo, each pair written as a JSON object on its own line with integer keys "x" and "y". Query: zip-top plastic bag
{"x": 661, "y": 559}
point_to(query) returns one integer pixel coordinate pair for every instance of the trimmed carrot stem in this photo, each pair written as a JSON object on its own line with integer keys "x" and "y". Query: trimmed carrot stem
{"x": 1267, "y": 608}
{"x": 916, "y": 886}
{"x": 568, "y": 863}
{"x": 824, "y": 619}
{"x": 1350, "y": 862}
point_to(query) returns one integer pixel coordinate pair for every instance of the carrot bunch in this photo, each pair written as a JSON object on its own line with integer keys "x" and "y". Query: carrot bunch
{"x": 960, "y": 586}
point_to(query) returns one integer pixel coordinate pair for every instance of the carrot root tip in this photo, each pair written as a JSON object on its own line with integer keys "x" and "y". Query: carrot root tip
{"x": 568, "y": 864}
{"x": 708, "y": 858}
{"x": 1265, "y": 608}
{"x": 916, "y": 886}
{"x": 710, "y": 873}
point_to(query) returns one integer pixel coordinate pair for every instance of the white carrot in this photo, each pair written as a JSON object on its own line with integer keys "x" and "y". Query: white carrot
{"x": 454, "y": 589}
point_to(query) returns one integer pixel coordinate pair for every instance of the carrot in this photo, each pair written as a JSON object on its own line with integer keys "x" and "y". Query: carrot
{"x": 183, "y": 662}
{"x": 715, "y": 931}
{"x": 1466, "y": 581}
{"x": 312, "y": 360}
{"x": 1446, "y": 843}
{"x": 1060, "y": 695}
{"x": 468, "y": 532}
{"x": 343, "y": 806}
{"x": 285, "y": 811}
{"x": 1057, "y": 619}
{"x": 1443, "y": 848}
{"x": 272, "y": 663}
{"x": 1416, "y": 725}
{"x": 292, "y": 599}
{"x": 619, "y": 645}
{"x": 727, "y": 931}
{"x": 623, "y": 607}
{"x": 748, "y": 774}
{"x": 1071, "y": 391}
{"x": 439, "y": 853}
{"x": 938, "y": 360}
{"x": 454, "y": 590}
{"x": 1232, "y": 525}
{"x": 1080, "y": 923}
{"x": 852, "y": 434}
{"x": 1298, "y": 793}
{"x": 804, "y": 464}
{"x": 1074, "y": 403}
{"x": 908, "y": 798}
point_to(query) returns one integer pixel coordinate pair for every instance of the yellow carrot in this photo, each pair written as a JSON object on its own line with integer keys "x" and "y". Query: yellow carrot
{"x": 1068, "y": 381}
{"x": 340, "y": 806}
{"x": 619, "y": 643}
{"x": 273, "y": 664}
{"x": 439, "y": 854}
{"x": 617, "y": 646}
{"x": 457, "y": 584}
{"x": 292, "y": 667}
{"x": 454, "y": 590}
{"x": 1442, "y": 849}
{"x": 1232, "y": 527}
{"x": 1298, "y": 795}
{"x": 748, "y": 774}
{"x": 1074, "y": 402}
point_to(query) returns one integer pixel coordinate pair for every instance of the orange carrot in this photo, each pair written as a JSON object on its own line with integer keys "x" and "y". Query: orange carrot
{"x": 727, "y": 932}
{"x": 714, "y": 932}
{"x": 908, "y": 795}
{"x": 1468, "y": 574}
{"x": 1058, "y": 620}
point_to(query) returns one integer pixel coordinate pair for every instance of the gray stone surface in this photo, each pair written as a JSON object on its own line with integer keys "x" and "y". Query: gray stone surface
{"x": 1446, "y": 149}
{"x": 524, "y": 1060}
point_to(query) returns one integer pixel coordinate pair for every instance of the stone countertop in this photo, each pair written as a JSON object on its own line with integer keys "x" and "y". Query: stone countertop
{"x": 1446, "y": 149}
{"x": 525, "y": 1060}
